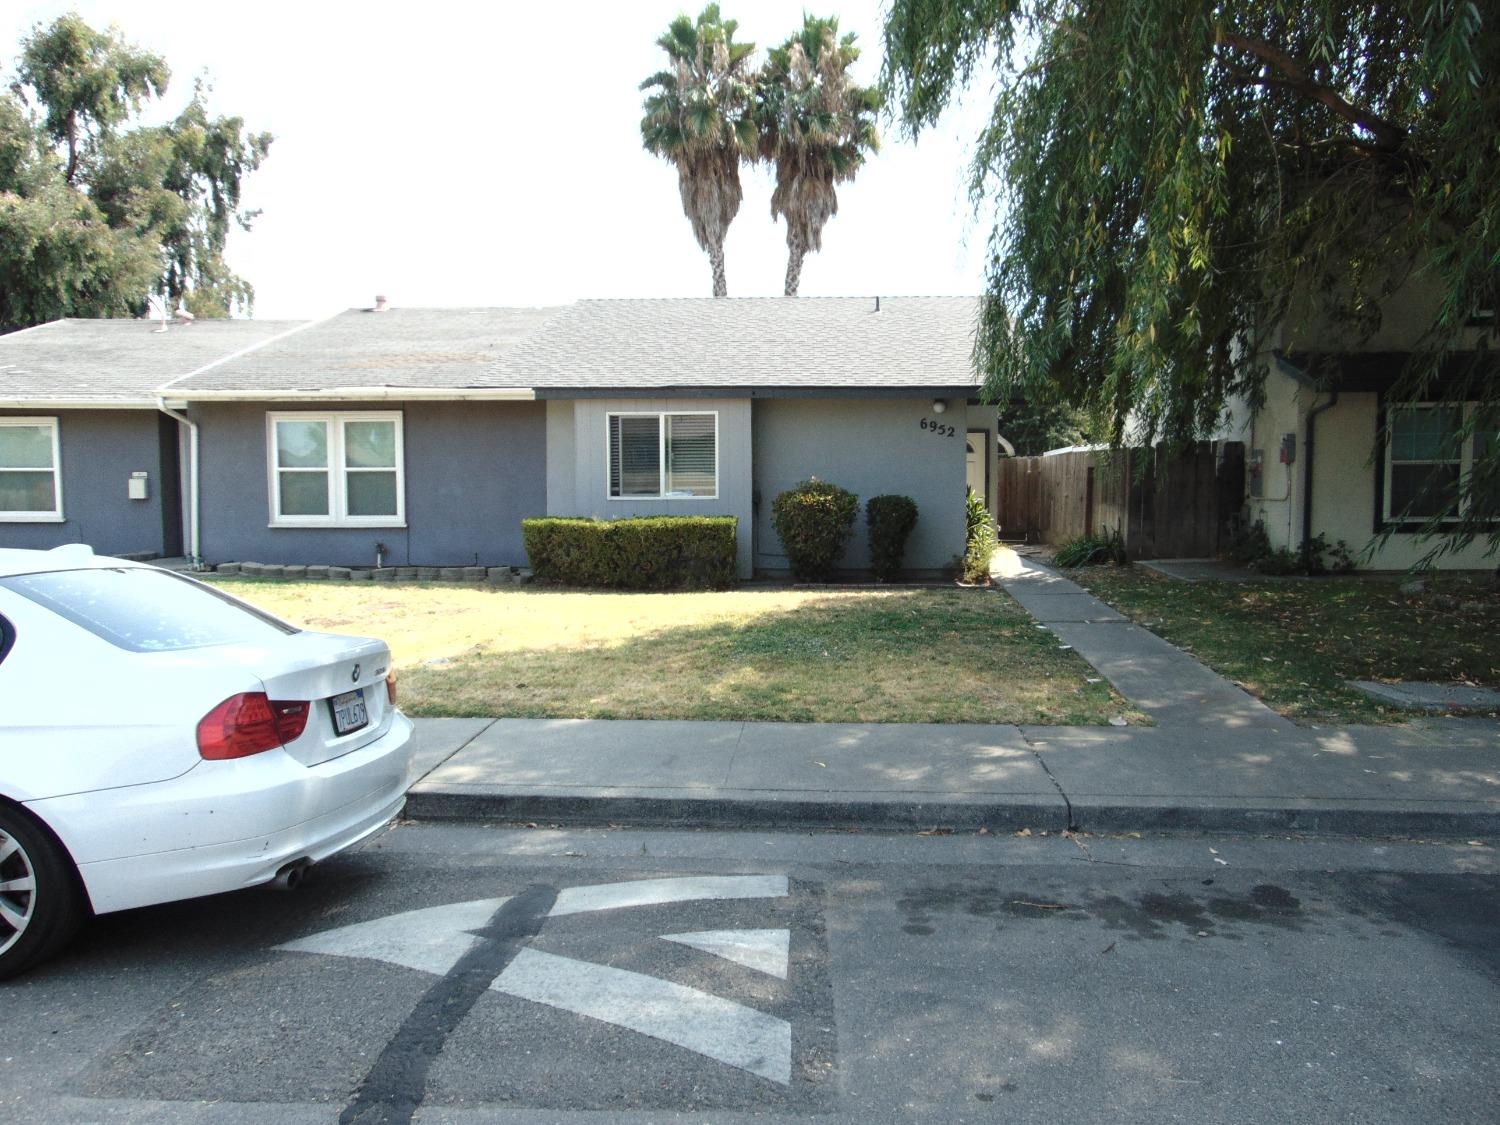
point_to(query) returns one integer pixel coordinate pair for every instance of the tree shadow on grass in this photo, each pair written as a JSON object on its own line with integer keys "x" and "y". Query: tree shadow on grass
{"x": 904, "y": 656}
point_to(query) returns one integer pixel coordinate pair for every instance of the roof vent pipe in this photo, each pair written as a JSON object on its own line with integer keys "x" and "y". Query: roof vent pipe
{"x": 877, "y": 304}
{"x": 380, "y": 302}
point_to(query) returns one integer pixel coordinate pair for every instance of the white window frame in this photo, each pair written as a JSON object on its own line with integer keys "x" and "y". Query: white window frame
{"x": 1465, "y": 460}
{"x": 56, "y": 514}
{"x": 661, "y": 455}
{"x": 338, "y": 491}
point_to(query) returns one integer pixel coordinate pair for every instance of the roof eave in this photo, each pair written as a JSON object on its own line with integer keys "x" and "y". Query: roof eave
{"x": 77, "y": 404}
{"x": 347, "y": 394}
{"x": 780, "y": 390}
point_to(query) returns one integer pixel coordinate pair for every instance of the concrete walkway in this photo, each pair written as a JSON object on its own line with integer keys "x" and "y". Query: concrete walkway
{"x": 1159, "y": 679}
{"x": 1216, "y": 760}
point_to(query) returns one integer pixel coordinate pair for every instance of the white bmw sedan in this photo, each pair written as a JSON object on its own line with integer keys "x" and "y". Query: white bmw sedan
{"x": 161, "y": 740}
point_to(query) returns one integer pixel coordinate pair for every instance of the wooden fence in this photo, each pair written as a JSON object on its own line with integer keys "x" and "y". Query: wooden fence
{"x": 1175, "y": 507}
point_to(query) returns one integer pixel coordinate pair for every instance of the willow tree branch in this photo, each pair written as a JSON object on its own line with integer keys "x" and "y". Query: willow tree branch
{"x": 1389, "y": 137}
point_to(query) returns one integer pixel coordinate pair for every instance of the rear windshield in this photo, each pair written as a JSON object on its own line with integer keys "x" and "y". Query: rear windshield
{"x": 142, "y": 609}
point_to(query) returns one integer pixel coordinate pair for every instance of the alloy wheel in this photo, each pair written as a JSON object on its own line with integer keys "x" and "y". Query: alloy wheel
{"x": 17, "y": 891}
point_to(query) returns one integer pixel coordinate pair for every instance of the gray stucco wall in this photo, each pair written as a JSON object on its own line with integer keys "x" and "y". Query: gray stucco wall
{"x": 99, "y": 450}
{"x": 578, "y": 455}
{"x": 871, "y": 447}
{"x": 474, "y": 470}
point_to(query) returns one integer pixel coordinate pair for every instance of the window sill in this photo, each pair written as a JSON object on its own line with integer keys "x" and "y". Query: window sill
{"x": 669, "y": 498}
{"x": 1413, "y": 527}
{"x": 318, "y": 525}
{"x": 30, "y": 517}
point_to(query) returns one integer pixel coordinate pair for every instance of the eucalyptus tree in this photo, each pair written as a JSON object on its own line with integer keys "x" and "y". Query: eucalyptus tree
{"x": 99, "y": 213}
{"x": 698, "y": 118}
{"x": 1177, "y": 178}
{"x": 817, "y": 126}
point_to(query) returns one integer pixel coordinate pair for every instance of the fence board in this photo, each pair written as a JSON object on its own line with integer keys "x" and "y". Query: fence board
{"x": 1162, "y": 507}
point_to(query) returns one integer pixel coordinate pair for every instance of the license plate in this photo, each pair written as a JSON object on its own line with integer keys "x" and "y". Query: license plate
{"x": 349, "y": 712}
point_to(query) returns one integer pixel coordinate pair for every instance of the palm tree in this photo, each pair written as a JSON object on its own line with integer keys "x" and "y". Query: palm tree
{"x": 816, "y": 126}
{"x": 699, "y": 116}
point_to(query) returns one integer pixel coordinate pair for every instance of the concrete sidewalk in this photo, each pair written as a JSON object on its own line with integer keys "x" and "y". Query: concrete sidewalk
{"x": 1439, "y": 777}
{"x": 1216, "y": 760}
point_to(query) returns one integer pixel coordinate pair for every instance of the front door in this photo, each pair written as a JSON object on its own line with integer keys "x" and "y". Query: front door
{"x": 977, "y": 464}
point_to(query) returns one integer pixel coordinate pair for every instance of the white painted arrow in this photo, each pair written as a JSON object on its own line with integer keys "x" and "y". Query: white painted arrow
{"x": 432, "y": 940}
{"x": 655, "y": 892}
{"x": 706, "y": 1024}
{"x": 765, "y": 951}
{"x": 436, "y": 938}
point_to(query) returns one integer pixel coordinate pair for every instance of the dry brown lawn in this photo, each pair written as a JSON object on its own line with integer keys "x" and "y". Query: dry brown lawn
{"x": 895, "y": 655}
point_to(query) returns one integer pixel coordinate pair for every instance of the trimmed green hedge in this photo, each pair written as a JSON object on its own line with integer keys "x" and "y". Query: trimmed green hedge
{"x": 643, "y": 553}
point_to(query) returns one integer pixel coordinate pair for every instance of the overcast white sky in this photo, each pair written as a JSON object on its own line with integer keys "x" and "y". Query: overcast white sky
{"x": 489, "y": 154}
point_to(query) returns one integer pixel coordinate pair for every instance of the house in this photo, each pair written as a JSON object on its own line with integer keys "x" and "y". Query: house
{"x": 1335, "y": 450}
{"x": 425, "y": 436}
{"x": 86, "y": 453}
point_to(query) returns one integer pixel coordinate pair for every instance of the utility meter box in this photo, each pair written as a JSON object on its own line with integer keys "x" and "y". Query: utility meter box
{"x": 138, "y": 487}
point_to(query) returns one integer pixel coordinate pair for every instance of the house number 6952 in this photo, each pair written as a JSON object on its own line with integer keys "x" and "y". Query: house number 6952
{"x": 937, "y": 428}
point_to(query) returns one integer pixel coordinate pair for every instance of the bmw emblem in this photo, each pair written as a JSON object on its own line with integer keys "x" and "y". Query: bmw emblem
{"x": 354, "y": 679}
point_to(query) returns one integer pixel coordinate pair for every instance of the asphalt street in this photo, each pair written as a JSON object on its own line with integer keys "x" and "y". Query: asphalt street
{"x": 472, "y": 973}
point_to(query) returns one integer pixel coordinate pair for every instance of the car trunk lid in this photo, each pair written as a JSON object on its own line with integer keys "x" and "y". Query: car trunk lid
{"x": 341, "y": 678}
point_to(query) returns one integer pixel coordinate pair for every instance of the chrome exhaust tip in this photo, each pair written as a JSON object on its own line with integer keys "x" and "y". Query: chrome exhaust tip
{"x": 289, "y": 876}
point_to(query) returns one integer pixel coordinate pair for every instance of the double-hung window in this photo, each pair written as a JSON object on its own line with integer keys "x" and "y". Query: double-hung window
{"x": 30, "y": 484}
{"x": 336, "y": 470}
{"x": 1430, "y": 458}
{"x": 667, "y": 456}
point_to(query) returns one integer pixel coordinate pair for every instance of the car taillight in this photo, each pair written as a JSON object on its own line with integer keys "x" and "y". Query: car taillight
{"x": 249, "y": 723}
{"x": 390, "y": 688}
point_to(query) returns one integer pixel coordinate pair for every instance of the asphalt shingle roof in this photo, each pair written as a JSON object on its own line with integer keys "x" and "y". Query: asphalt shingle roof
{"x": 424, "y": 348}
{"x": 116, "y": 361}
{"x": 807, "y": 343}
{"x": 804, "y": 342}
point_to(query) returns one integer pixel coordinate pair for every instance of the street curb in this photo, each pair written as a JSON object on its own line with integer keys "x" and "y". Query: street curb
{"x": 926, "y": 811}
{"x": 1300, "y": 818}
{"x": 676, "y": 811}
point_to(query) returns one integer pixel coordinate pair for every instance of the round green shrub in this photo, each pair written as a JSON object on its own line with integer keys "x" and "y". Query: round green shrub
{"x": 890, "y": 520}
{"x": 813, "y": 522}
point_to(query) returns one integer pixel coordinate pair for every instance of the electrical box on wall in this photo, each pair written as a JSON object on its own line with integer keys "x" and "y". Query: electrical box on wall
{"x": 137, "y": 488}
{"x": 1288, "y": 448}
{"x": 1256, "y": 468}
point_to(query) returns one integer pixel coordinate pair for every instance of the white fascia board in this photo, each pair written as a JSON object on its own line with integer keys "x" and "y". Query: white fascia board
{"x": 76, "y": 403}
{"x": 365, "y": 394}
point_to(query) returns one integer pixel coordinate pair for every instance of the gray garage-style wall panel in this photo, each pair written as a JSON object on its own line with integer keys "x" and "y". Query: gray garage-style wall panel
{"x": 474, "y": 471}
{"x": 871, "y": 447}
{"x": 99, "y": 450}
{"x": 578, "y": 463}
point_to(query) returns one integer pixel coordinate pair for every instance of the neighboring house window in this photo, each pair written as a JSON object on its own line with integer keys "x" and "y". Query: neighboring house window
{"x": 336, "y": 470}
{"x": 663, "y": 456}
{"x": 1429, "y": 456}
{"x": 1487, "y": 445}
{"x": 30, "y": 483}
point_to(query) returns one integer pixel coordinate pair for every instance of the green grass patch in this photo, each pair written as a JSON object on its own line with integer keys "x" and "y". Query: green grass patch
{"x": 1294, "y": 643}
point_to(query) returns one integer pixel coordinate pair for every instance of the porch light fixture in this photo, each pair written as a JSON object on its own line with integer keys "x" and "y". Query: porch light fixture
{"x": 939, "y": 405}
